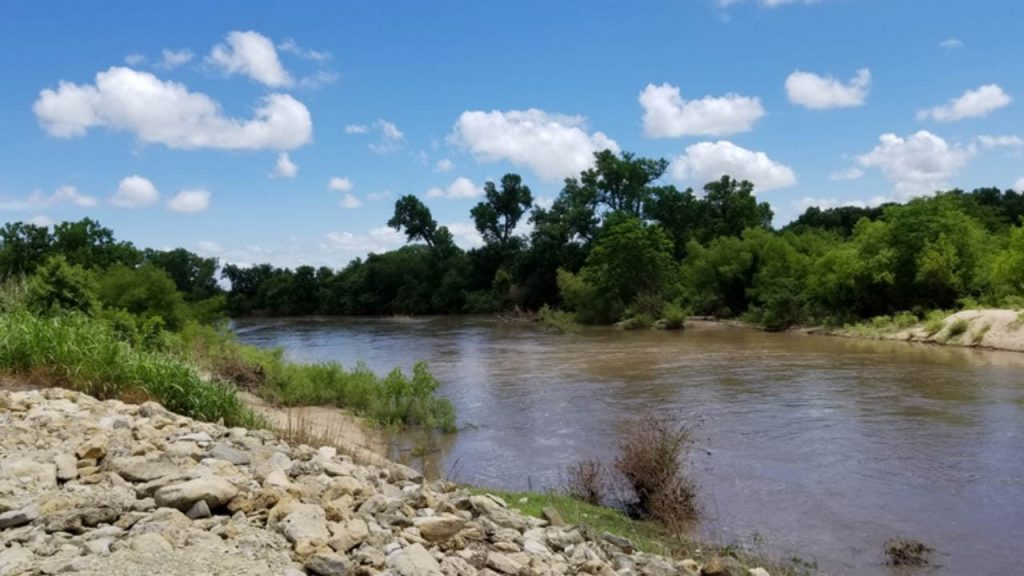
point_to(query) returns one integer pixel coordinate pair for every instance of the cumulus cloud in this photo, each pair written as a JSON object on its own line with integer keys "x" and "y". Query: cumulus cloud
{"x": 668, "y": 115}
{"x": 826, "y": 203}
{"x": 171, "y": 59}
{"x": 41, "y": 220}
{"x": 852, "y": 173}
{"x": 62, "y": 195}
{"x": 391, "y": 138}
{"x": 918, "y": 164}
{"x": 377, "y": 240}
{"x": 444, "y": 165}
{"x": 290, "y": 46}
{"x": 823, "y": 92}
{"x": 340, "y": 184}
{"x": 159, "y": 112}
{"x": 951, "y": 44}
{"x": 462, "y": 187}
{"x": 285, "y": 168}
{"x": 134, "y": 192}
{"x": 976, "y": 103}
{"x": 251, "y": 54}
{"x": 554, "y": 146}
{"x": 707, "y": 161}
{"x": 989, "y": 142}
{"x": 465, "y": 234}
{"x": 190, "y": 201}
{"x": 350, "y": 201}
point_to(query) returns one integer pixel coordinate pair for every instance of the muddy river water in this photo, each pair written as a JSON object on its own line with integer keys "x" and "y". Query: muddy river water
{"x": 816, "y": 446}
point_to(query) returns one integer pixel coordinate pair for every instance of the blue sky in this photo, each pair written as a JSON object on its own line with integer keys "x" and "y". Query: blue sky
{"x": 283, "y": 132}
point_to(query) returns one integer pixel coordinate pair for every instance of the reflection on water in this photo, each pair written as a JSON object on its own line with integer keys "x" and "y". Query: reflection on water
{"x": 824, "y": 447}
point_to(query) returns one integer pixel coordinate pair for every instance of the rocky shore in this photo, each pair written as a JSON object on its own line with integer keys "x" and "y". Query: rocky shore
{"x": 111, "y": 489}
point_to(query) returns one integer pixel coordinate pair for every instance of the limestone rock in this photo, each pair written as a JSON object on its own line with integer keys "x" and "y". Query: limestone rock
{"x": 213, "y": 490}
{"x": 414, "y": 560}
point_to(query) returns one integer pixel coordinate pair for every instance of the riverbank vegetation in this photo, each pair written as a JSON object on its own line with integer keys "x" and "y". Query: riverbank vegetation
{"x": 617, "y": 243}
{"x": 114, "y": 322}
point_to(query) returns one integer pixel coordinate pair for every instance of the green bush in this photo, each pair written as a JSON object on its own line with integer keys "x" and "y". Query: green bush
{"x": 675, "y": 316}
{"x": 957, "y": 328}
{"x": 558, "y": 320}
{"x": 934, "y": 322}
{"x": 58, "y": 286}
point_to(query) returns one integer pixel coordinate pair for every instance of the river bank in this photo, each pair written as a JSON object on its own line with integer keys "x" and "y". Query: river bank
{"x": 111, "y": 489}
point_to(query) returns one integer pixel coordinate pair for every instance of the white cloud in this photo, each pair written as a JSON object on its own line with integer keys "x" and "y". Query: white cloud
{"x": 134, "y": 192}
{"x": 1019, "y": 185}
{"x": 357, "y": 129}
{"x": 134, "y": 59}
{"x": 378, "y": 240}
{"x": 852, "y": 173}
{"x": 166, "y": 113}
{"x": 667, "y": 115}
{"x": 252, "y": 54}
{"x": 290, "y": 46}
{"x": 465, "y": 234}
{"x": 190, "y": 201}
{"x": 391, "y": 138}
{"x": 340, "y": 184}
{"x": 171, "y": 59}
{"x": 350, "y": 201}
{"x": 707, "y": 161}
{"x": 989, "y": 142}
{"x": 41, "y": 220}
{"x": 918, "y": 164}
{"x": 823, "y": 92}
{"x": 764, "y": 3}
{"x": 951, "y": 44}
{"x": 444, "y": 165}
{"x": 209, "y": 247}
{"x": 554, "y": 146}
{"x": 318, "y": 79}
{"x": 976, "y": 103}
{"x": 375, "y": 196}
{"x": 826, "y": 203}
{"x": 62, "y": 195}
{"x": 461, "y": 187}
{"x": 285, "y": 168}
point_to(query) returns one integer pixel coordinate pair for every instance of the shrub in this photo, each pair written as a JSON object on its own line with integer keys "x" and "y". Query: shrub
{"x": 585, "y": 481}
{"x": 58, "y": 286}
{"x": 557, "y": 319}
{"x": 649, "y": 459}
{"x": 675, "y": 316}
{"x": 978, "y": 336}
{"x": 638, "y": 322}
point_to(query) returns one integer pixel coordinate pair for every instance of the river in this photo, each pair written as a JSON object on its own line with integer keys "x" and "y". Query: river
{"x": 819, "y": 447}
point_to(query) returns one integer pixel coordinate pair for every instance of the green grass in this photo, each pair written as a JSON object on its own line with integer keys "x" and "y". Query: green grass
{"x": 396, "y": 399}
{"x": 880, "y": 326}
{"x": 956, "y": 329}
{"x": 646, "y": 536}
{"x": 83, "y": 353}
{"x": 557, "y": 320}
{"x": 978, "y": 336}
{"x": 934, "y": 322}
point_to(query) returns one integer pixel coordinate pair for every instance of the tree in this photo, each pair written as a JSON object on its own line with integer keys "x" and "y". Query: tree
{"x": 86, "y": 243}
{"x": 623, "y": 183}
{"x": 497, "y": 217}
{"x": 729, "y": 207}
{"x": 414, "y": 216}
{"x": 58, "y": 286}
{"x": 23, "y": 247}
{"x": 194, "y": 275}
{"x": 146, "y": 291}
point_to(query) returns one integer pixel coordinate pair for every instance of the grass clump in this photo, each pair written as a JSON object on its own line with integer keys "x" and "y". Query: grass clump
{"x": 674, "y": 317}
{"x": 85, "y": 354}
{"x": 906, "y": 552}
{"x": 978, "y": 336}
{"x": 957, "y": 328}
{"x": 650, "y": 460}
{"x": 934, "y": 322}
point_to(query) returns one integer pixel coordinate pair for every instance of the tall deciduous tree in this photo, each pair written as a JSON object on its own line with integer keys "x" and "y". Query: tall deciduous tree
{"x": 498, "y": 216}
{"x": 413, "y": 215}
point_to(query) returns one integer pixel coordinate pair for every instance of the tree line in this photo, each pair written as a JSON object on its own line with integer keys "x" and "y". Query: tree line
{"x": 617, "y": 243}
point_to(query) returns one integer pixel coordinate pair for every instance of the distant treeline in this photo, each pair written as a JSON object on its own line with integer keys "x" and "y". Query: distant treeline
{"x": 616, "y": 243}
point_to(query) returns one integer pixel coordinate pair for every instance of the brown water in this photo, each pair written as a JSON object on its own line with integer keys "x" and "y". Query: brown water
{"x": 821, "y": 447}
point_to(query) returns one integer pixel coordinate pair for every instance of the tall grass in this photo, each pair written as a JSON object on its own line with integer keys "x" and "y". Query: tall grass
{"x": 395, "y": 399}
{"x": 83, "y": 353}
